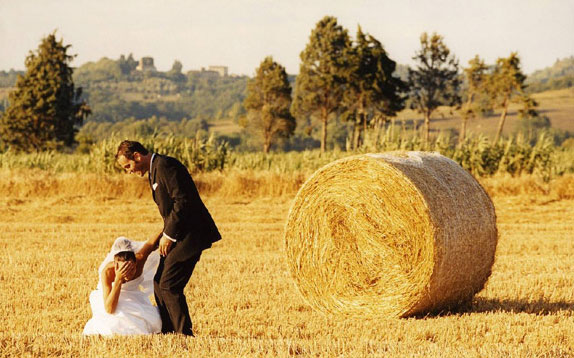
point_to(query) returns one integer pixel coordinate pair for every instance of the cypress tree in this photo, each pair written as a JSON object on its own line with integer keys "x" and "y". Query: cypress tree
{"x": 323, "y": 74}
{"x": 506, "y": 86}
{"x": 45, "y": 108}
{"x": 435, "y": 81}
{"x": 268, "y": 101}
{"x": 372, "y": 90}
{"x": 476, "y": 75}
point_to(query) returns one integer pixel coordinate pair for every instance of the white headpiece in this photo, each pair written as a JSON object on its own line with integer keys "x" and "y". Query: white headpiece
{"x": 122, "y": 244}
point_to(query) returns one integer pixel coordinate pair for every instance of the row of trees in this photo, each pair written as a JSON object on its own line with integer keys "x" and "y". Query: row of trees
{"x": 339, "y": 78}
{"x": 354, "y": 81}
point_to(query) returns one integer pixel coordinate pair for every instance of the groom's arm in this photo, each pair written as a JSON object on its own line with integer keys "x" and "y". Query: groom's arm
{"x": 149, "y": 246}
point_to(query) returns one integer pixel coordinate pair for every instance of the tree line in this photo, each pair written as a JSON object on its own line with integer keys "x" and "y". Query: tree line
{"x": 354, "y": 80}
{"x": 340, "y": 79}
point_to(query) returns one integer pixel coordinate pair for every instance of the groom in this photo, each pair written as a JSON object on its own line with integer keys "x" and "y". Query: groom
{"x": 188, "y": 229}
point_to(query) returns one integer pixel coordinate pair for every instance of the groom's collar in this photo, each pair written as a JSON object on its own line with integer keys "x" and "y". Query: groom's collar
{"x": 150, "y": 166}
{"x": 151, "y": 162}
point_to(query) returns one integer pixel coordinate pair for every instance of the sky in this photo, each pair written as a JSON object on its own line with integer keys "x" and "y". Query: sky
{"x": 241, "y": 33}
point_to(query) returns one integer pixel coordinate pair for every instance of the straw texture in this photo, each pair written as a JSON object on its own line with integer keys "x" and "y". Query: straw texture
{"x": 394, "y": 234}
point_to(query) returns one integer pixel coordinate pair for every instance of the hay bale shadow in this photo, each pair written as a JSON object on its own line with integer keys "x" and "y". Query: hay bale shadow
{"x": 539, "y": 307}
{"x": 494, "y": 305}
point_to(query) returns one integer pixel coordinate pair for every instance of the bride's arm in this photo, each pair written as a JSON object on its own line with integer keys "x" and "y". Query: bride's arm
{"x": 112, "y": 292}
{"x": 143, "y": 253}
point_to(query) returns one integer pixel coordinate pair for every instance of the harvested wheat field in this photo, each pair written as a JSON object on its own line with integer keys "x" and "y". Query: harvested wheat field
{"x": 242, "y": 297}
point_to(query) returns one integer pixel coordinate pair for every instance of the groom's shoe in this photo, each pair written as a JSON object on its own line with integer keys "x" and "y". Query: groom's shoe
{"x": 188, "y": 332}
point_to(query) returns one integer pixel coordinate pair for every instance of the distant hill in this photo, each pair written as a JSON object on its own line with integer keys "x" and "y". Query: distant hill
{"x": 560, "y": 75}
{"x": 8, "y": 78}
{"x": 117, "y": 90}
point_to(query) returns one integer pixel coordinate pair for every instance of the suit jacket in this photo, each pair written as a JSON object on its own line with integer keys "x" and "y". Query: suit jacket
{"x": 185, "y": 217}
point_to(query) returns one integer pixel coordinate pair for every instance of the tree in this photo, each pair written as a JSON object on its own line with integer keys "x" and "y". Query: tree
{"x": 506, "y": 85}
{"x": 372, "y": 89}
{"x": 530, "y": 120}
{"x": 127, "y": 65}
{"x": 103, "y": 70}
{"x": 45, "y": 108}
{"x": 323, "y": 74}
{"x": 475, "y": 75}
{"x": 236, "y": 111}
{"x": 268, "y": 101}
{"x": 175, "y": 72}
{"x": 435, "y": 82}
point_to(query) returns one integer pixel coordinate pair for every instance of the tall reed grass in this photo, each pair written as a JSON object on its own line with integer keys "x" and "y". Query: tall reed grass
{"x": 478, "y": 155}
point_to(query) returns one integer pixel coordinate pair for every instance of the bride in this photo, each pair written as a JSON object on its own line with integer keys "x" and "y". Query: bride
{"x": 121, "y": 302}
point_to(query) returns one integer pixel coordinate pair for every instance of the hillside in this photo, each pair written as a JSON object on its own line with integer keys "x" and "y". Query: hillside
{"x": 557, "y": 105}
{"x": 123, "y": 97}
{"x": 116, "y": 90}
{"x": 560, "y": 75}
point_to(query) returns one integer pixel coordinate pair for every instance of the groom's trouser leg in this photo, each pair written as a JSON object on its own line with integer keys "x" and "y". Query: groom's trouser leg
{"x": 174, "y": 278}
{"x": 166, "y": 325}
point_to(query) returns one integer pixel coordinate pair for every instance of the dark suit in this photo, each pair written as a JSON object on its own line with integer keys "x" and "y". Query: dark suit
{"x": 187, "y": 221}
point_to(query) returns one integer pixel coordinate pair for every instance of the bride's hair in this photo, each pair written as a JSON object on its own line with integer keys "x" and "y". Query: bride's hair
{"x": 125, "y": 256}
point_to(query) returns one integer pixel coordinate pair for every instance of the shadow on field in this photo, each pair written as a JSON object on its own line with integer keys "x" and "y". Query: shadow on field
{"x": 540, "y": 307}
{"x": 488, "y": 305}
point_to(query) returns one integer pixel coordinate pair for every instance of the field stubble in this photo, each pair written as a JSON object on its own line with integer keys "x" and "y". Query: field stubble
{"x": 57, "y": 229}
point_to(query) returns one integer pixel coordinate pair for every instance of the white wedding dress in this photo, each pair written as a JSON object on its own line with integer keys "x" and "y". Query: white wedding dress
{"x": 134, "y": 313}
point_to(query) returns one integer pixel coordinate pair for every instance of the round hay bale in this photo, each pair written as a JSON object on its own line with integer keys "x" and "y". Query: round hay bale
{"x": 396, "y": 234}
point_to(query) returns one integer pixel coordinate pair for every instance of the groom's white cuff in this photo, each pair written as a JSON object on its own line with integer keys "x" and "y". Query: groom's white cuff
{"x": 169, "y": 238}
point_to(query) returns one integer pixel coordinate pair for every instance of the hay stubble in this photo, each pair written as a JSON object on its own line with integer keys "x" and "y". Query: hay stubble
{"x": 243, "y": 300}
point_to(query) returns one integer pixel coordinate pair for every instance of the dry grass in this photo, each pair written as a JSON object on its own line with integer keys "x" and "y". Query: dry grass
{"x": 242, "y": 299}
{"x": 557, "y": 105}
{"x": 225, "y": 126}
{"x": 38, "y": 183}
{"x": 237, "y": 184}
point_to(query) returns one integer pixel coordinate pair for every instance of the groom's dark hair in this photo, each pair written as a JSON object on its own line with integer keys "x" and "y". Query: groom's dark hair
{"x": 127, "y": 148}
{"x": 125, "y": 256}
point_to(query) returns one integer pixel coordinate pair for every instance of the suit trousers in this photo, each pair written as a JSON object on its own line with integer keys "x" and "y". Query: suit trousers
{"x": 169, "y": 281}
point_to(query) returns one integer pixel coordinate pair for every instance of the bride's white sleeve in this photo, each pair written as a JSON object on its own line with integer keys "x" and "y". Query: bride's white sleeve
{"x": 149, "y": 271}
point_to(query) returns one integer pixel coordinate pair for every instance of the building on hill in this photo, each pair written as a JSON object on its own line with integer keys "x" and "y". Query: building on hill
{"x": 146, "y": 65}
{"x": 222, "y": 70}
{"x": 212, "y": 71}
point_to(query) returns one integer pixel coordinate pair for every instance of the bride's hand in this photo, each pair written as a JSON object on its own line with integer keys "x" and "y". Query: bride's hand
{"x": 125, "y": 271}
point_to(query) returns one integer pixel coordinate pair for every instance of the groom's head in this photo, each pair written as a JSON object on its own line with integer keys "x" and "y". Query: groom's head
{"x": 133, "y": 157}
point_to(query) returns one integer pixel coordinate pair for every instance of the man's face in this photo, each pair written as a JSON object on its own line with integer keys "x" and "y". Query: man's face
{"x": 133, "y": 166}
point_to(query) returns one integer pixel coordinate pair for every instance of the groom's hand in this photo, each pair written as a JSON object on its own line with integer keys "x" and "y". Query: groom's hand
{"x": 164, "y": 246}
